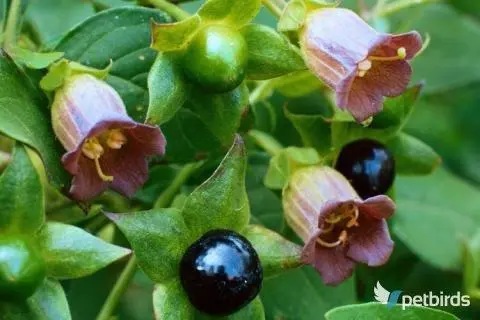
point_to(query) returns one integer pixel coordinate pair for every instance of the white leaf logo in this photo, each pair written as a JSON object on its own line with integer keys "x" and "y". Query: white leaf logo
{"x": 381, "y": 294}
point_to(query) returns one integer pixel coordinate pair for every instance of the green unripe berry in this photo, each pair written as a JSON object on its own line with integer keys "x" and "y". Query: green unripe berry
{"x": 22, "y": 270}
{"x": 216, "y": 58}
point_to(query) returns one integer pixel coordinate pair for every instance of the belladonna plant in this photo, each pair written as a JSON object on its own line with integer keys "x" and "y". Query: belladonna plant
{"x": 339, "y": 229}
{"x": 104, "y": 145}
{"x": 362, "y": 65}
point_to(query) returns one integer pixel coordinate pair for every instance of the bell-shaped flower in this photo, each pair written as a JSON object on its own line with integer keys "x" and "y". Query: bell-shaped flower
{"x": 362, "y": 65}
{"x": 339, "y": 229}
{"x": 105, "y": 147}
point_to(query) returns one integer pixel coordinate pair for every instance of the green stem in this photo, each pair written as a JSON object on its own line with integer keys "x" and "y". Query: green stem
{"x": 10, "y": 36}
{"x": 262, "y": 91}
{"x": 273, "y": 7}
{"x": 399, "y": 5}
{"x": 167, "y": 195}
{"x": 170, "y": 8}
{"x": 120, "y": 286}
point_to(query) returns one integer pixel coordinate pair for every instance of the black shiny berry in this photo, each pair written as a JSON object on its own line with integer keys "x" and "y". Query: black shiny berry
{"x": 221, "y": 272}
{"x": 368, "y": 165}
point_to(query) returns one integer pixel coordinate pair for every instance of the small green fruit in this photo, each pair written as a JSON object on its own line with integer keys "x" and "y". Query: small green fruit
{"x": 22, "y": 270}
{"x": 216, "y": 58}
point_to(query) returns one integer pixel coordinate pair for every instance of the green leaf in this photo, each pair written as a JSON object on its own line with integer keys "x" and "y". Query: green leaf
{"x": 253, "y": 311}
{"x": 25, "y": 117}
{"x": 286, "y": 162}
{"x": 174, "y": 36}
{"x": 221, "y": 113}
{"x": 293, "y": 16}
{"x": 466, "y": 6}
{"x": 297, "y": 84}
{"x": 235, "y": 14}
{"x": 21, "y": 196}
{"x": 48, "y": 302}
{"x": 71, "y": 252}
{"x": 276, "y": 253}
{"x": 35, "y": 60}
{"x": 413, "y": 156}
{"x": 168, "y": 90}
{"x": 221, "y": 202}
{"x": 121, "y": 35}
{"x": 380, "y": 312}
{"x": 170, "y": 302}
{"x": 471, "y": 271}
{"x": 159, "y": 239}
{"x": 270, "y": 54}
{"x": 451, "y": 211}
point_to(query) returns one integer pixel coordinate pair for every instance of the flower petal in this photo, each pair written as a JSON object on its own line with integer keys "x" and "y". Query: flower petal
{"x": 150, "y": 139}
{"x": 370, "y": 242}
{"x": 411, "y": 41}
{"x": 378, "y": 207}
{"x": 86, "y": 184}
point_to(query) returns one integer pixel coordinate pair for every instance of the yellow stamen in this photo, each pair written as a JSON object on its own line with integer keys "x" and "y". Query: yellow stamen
{"x": 341, "y": 239}
{"x": 353, "y": 222}
{"x": 116, "y": 139}
{"x": 401, "y": 55}
{"x": 100, "y": 173}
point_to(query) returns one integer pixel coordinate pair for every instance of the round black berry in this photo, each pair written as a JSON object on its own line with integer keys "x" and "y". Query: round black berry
{"x": 368, "y": 165}
{"x": 221, "y": 272}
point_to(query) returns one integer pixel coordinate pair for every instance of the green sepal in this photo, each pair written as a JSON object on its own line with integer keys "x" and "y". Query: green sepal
{"x": 276, "y": 253}
{"x": 380, "y": 311}
{"x": 176, "y": 36}
{"x": 170, "y": 302}
{"x": 293, "y": 16}
{"x": 253, "y": 311}
{"x": 270, "y": 54}
{"x": 48, "y": 302}
{"x": 168, "y": 89}
{"x": 413, "y": 156}
{"x": 322, "y": 4}
{"x": 35, "y": 60}
{"x": 286, "y": 162}
{"x": 63, "y": 69}
{"x": 221, "y": 202}
{"x": 471, "y": 269}
{"x": 21, "y": 196}
{"x": 70, "y": 252}
{"x": 232, "y": 13}
{"x": 159, "y": 239}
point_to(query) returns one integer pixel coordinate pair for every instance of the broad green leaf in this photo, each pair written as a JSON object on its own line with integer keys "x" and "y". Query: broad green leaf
{"x": 297, "y": 84}
{"x": 71, "y": 252}
{"x": 300, "y": 294}
{"x": 235, "y": 14}
{"x": 48, "y": 302}
{"x": 68, "y": 12}
{"x": 443, "y": 204}
{"x": 35, "y": 60}
{"x": 286, "y": 162}
{"x": 121, "y": 35}
{"x": 471, "y": 270}
{"x": 24, "y": 116}
{"x": 221, "y": 202}
{"x": 3, "y": 16}
{"x": 253, "y": 311}
{"x": 270, "y": 54}
{"x": 293, "y": 16}
{"x": 159, "y": 239}
{"x": 412, "y": 156}
{"x": 378, "y": 311}
{"x": 21, "y": 196}
{"x": 221, "y": 113}
{"x": 466, "y": 6}
{"x": 168, "y": 90}
{"x": 276, "y": 253}
{"x": 174, "y": 36}
{"x": 170, "y": 302}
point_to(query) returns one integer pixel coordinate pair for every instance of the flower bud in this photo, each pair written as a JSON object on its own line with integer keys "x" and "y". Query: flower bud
{"x": 338, "y": 228}
{"x": 104, "y": 145}
{"x": 356, "y": 61}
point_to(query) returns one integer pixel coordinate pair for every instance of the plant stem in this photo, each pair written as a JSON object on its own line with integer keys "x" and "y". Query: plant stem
{"x": 170, "y": 8}
{"x": 167, "y": 195}
{"x": 262, "y": 91}
{"x": 272, "y": 6}
{"x": 120, "y": 286}
{"x": 10, "y": 36}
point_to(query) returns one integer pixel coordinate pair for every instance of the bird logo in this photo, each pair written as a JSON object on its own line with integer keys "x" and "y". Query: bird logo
{"x": 384, "y": 296}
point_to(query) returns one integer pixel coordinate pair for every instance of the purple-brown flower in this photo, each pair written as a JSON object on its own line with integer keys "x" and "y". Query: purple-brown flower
{"x": 339, "y": 229}
{"x": 360, "y": 64}
{"x": 105, "y": 146}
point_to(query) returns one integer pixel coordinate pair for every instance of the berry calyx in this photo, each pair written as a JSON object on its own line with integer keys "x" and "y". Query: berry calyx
{"x": 221, "y": 272}
{"x": 22, "y": 270}
{"x": 368, "y": 165}
{"x": 216, "y": 58}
